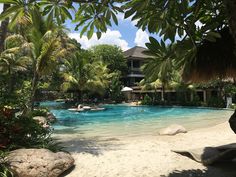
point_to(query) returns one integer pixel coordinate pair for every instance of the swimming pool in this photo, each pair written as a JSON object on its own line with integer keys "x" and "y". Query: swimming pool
{"x": 123, "y": 120}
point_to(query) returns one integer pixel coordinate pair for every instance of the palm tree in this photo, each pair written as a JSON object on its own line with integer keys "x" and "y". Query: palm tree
{"x": 3, "y": 28}
{"x": 12, "y": 59}
{"x": 82, "y": 75}
{"x": 160, "y": 66}
{"x": 44, "y": 48}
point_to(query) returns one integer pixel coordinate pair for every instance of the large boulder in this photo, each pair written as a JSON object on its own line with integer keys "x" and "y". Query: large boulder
{"x": 173, "y": 130}
{"x": 232, "y": 122}
{"x": 39, "y": 162}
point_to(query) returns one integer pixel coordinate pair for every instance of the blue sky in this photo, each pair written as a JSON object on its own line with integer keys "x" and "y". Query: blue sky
{"x": 125, "y": 35}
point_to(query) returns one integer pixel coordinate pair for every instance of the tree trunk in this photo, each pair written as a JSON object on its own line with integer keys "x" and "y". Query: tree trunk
{"x": 33, "y": 91}
{"x": 3, "y": 28}
{"x": 163, "y": 93}
{"x": 231, "y": 11}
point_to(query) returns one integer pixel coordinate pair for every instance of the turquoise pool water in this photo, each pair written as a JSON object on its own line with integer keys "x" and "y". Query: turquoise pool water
{"x": 123, "y": 120}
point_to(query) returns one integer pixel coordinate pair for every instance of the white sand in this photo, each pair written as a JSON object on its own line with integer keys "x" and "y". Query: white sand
{"x": 146, "y": 156}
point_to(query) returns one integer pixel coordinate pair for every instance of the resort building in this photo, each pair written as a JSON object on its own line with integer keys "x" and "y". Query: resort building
{"x": 135, "y": 59}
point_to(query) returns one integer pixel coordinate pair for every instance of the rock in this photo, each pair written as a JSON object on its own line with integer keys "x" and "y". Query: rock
{"x": 51, "y": 118}
{"x": 42, "y": 120}
{"x": 173, "y": 130}
{"x": 39, "y": 162}
{"x": 232, "y": 122}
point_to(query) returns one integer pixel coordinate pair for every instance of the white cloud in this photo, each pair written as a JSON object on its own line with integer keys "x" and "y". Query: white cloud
{"x": 121, "y": 18}
{"x": 1, "y": 8}
{"x": 141, "y": 38}
{"x": 113, "y": 37}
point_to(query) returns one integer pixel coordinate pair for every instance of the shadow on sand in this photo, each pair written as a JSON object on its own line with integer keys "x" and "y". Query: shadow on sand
{"x": 93, "y": 145}
{"x": 218, "y": 170}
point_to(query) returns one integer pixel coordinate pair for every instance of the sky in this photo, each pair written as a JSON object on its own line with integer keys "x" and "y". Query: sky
{"x": 126, "y": 34}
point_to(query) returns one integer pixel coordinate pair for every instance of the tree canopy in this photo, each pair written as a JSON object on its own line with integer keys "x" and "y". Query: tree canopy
{"x": 111, "y": 55}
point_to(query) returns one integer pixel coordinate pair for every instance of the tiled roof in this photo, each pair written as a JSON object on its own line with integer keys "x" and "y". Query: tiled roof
{"x": 136, "y": 52}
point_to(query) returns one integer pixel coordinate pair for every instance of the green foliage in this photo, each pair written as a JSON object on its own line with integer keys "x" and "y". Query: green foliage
{"x": 115, "y": 89}
{"x": 230, "y": 89}
{"x": 112, "y": 56}
{"x": 232, "y": 106}
{"x": 216, "y": 102}
{"x": 96, "y": 16}
{"x": 22, "y": 132}
{"x": 147, "y": 100}
{"x": 81, "y": 74}
{"x": 39, "y": 112}
{"x": 4, "y": 166}
{"x": 57, "y": 9}
{"x": 160, "y": 65}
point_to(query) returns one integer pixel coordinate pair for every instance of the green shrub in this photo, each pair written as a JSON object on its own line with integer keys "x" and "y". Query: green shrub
{"x": 147, "y": 100}
{"x": 196, "y": 101}
{"x": 22, "y": 132}
{"x": 232, "y": 106}
{"x": 39, "y": 112}
{"x": 216, "y": 102}
{"x": 4, "y": 166}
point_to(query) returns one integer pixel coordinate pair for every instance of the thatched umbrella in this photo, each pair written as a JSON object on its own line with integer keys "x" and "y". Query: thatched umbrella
{"x": 213, "y": 60}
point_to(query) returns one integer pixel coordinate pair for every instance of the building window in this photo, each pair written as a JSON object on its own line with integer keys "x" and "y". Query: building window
{"x": 129, "y": 64}
{"x": 136, "y": 64}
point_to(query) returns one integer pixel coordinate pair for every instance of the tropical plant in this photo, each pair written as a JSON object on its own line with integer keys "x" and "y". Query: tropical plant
{"x": 115, "y": 88}
{"x": 112, "y": 56}
{"x": 80, "y": 74}
{"x": 18, "y": 132}
{"x": 3, "y": 28}
{"x": 147, "y": 100}
{"x": 13, "y": 60}
{"x": 57, "y": 9}
{"x": 160, "y": 65}
{"x": 4, "y": 166}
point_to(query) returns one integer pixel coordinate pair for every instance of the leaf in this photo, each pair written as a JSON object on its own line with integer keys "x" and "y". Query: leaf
{"x": 8, "y": 1}
{"x": 129, "y": 13}
{"x": 9, "y": 12}
{"x": 66, "y": 12}
{"x": 99, "y": 34}
{"x": 214, "y": 34}
{"x": 83, "y": 30}
{"x": 90, "y": 32}
{"x": 114, "y": 18}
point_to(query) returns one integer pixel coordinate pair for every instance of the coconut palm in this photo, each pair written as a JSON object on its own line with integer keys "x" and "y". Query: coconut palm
{"x": 160, "y": 65}
{"x": 3, "y": 28}
{"x": 12, "y": 59}
{"x": 43, "y": 47}
{"x": 81, "y": 75}
{"x": 17, "y": 11}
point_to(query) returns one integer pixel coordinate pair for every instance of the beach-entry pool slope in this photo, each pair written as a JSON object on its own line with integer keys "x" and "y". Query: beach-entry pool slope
{"x": 123, "y": 120}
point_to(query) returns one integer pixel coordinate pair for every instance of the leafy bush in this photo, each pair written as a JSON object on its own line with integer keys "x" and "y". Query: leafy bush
{"x": 147, "y": 100}
{"x": 196, "y": 101}
{"x": 216, "y": 102}
{"x": 232, "y": 106}
{"x": 39, "y": 112}
{"x": 22, "y": 132}
{"x": 4, "y": 166}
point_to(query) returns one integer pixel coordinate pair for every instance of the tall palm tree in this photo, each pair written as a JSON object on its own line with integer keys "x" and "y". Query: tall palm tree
{"x": 160, "y": 66}
{"x": 81, "y": 75}
{"x": 12, "y": 59}
{"x": 44, "y": 48}
{"x": 3, "y": 28}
